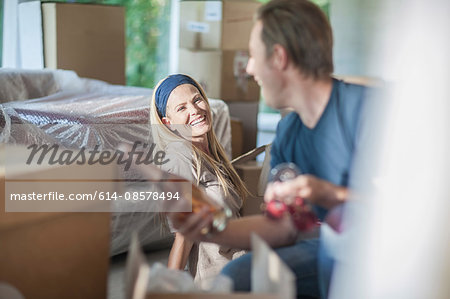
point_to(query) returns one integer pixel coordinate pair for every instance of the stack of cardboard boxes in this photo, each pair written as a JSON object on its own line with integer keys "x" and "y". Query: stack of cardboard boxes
{"x": 86, "y": 38}
{"x": 214, "y": 39}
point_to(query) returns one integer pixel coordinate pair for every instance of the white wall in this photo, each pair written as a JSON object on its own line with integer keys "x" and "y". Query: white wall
{"x": 10, "y": 57}
{"x": 174, "y": 36}
{"x": 22, "y": 35}
{"x": 356, "y": 24}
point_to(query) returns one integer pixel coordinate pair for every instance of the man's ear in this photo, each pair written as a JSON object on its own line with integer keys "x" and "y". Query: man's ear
{"x": 279, "y": 57}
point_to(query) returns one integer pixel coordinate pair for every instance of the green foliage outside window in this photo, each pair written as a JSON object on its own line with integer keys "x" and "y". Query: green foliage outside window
{"x": 147, "y": 38}
{"x": 323, "y": 4}
{"x": 148, "y": 33}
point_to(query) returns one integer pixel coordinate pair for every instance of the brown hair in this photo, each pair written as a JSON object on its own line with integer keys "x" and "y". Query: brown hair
{"x": 303, "y": 30}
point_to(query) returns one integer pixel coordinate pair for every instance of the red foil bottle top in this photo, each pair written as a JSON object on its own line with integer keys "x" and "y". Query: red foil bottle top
{"x": 275, "y": 209}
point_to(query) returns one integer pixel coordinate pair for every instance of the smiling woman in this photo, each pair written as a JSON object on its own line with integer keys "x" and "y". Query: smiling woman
{"x": 177, "y": 101}
{"x": 187, "y": 106}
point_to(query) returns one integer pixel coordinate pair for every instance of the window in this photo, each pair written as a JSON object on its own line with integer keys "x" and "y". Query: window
{"x": 1, "y": 31}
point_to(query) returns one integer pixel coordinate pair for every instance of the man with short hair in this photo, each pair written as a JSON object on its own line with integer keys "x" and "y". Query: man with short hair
{"x": 291, "y": 59}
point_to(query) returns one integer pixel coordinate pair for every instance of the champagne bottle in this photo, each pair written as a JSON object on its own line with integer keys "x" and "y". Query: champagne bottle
{"x": 300, "y": 210}
{"x": 221, "y": 212}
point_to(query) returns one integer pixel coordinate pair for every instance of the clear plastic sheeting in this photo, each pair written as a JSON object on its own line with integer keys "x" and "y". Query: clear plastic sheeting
{"x": 58, "y": 107}
{"x": 19, "y": 85}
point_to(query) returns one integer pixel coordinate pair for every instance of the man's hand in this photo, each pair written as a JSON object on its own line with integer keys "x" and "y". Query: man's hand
{"x": 317, "y": 191}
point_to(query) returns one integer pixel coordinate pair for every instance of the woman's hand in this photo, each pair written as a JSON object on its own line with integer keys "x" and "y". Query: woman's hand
{"x": 193, "y": 226}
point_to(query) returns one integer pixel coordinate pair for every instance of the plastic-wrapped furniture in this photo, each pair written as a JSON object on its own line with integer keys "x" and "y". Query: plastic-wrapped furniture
{"x": 58, "y": 106}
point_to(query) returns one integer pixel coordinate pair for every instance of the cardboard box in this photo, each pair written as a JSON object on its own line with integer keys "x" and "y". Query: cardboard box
{"x": 221, "y": 73}
{"x": 237, "y": 137}
{"x": 271, "y": 278}
{"x": 255, "y": 175}
{"x": 250, "y": 173}
{"x": 55, "y": 255}
{"x": 86, "y": 38}
{"x": 216, "y": 25}
{"x": 247, "y": 112}
{"x": 211, "y": 296}
{"x": 52, "y": 254}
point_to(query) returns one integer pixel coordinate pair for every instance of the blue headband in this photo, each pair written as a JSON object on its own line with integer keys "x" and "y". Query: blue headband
{"x": 165, "y": 89}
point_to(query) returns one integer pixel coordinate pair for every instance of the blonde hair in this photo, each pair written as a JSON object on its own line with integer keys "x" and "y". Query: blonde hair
{"x": 163, "y": 136}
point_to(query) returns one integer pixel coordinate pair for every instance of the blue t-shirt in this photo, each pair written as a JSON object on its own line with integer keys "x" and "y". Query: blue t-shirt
{"x": 327, "y": 150}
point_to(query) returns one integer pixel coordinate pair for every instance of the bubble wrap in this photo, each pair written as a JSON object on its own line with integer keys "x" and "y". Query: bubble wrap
{"x": 77, "y": 112}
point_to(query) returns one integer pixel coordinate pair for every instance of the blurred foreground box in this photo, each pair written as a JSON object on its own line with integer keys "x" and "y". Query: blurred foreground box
{"x": 211, "y": 296}
{"x": 270, "y": 277}
{"x": 53, "y": 254}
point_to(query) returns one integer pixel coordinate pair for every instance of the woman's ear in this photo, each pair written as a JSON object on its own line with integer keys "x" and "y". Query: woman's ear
{"x": 165, "y": 121}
